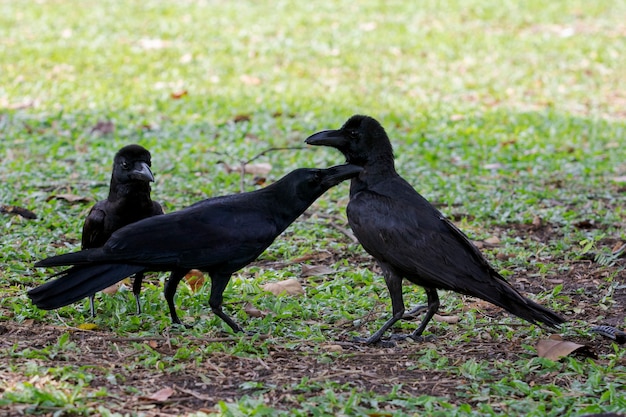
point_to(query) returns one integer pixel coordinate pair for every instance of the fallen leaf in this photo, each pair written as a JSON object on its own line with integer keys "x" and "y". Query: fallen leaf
{"x": 88, "y": 326}
{"x": 555, "y": 349}
{"x": 256, "y": 169}
{"x": 315, "y": 270}
{"x": 618, "y": 247}
{"x": 103, "y": 127}
{"x": 22, "y": 212}
{"x": 289, "y": 286}
{"x": 585, "y": 224}
{"x": 446, "y": 319}
{"x": 161, "y": 395}
{"x": 537, "y": 222}
{"x": 250, "y": 79}
{"x": 178, "y": 94}
{"x": 252, "y": 311}
{"x": 242, "y": 118}
{"x": 332, "y": 348}
{"x": 112, "y": 289}
{"x": 493, "y": 240}
{"x": 152, "y": 343}
{"x": 195, "y": 279}
{"x": 72, "y": 198}
{"x": 620, "y": 179}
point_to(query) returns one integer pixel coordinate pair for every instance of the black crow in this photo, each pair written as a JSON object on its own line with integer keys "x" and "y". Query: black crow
{"x": 128, "y": 201}
{"x": 410, "y": 238}
{"x": 219, "y": 236}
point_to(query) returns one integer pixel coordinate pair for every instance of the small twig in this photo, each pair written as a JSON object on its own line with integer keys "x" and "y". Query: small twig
{"x": 257, "y": 156}
{"x": 167, "y": 339}
{"x": 345, "y": 231}
{"x": 193, "y": 393}
{"x": 215, "y": 368}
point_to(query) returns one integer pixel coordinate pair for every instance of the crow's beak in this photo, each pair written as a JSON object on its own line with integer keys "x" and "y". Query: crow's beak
{"x": 340, "y": 173}
{"x": 333, "y": 138}
{"x": 142, "y": 172}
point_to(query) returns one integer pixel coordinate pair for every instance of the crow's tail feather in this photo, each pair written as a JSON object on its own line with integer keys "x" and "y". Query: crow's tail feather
{"x": 534, "y": 313}
{"x": 79, "y": 282}
{"x": 82, "y": 257}
{"x": 506, "y": 296}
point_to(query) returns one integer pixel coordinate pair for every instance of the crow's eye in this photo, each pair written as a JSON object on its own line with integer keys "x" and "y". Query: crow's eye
{"x": 354, "y": 134}
{"x": 125, "y": 165}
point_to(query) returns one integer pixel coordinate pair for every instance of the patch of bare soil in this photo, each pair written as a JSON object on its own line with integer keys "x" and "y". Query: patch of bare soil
{"x": 594, "y": 300}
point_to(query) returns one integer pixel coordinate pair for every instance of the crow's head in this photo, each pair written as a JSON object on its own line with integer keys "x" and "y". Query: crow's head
{"x": 131, "y": 164}
{"x": 307, "y": 184}
{"x": 361, "y": 139}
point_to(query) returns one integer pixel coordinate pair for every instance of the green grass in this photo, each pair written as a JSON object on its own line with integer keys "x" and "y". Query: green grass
{"x": 501, "y": 113}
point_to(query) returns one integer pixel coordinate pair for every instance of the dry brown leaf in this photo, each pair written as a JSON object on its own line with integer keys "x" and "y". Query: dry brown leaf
{"x": 332, "y": 348}
{"x": 315, "y": 270}
{"x": 493, "y": 240}
{"x": 72, "y": 198}
{"x": 252, "y": 311}
{"x": 103, "y": 127}
{"x": 446, "y": 319}
{"x": 195, "y": 279}
{"x": 289, "y": 286}
{"x": 153, "y": 344}
{"x": 112, "y": 289}
{"x": 619, "y": 245}
{"x": 255, "y": 169}
{"x": 20, "y": 211}
{"x": 250, "y": 79}
{"x": 161, "y": 395}
{"x": 242, "y": 118}
{"x": 555, "y": 349}
{"x": 178, "y": 94}
{"x": 537, "y": 222}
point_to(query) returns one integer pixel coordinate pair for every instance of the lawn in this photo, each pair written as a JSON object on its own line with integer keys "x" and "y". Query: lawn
{"x": 508, "y": 116}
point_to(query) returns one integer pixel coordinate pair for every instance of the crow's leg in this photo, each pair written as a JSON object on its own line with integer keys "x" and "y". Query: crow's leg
{"x": 218, "y": 285}
{"x": 92, "y": 305}
{"x": 394, "y": 286}
{"x": 433, "y": 306}
{"x": 137, "y": 280}
{"x": 170, "y": 291}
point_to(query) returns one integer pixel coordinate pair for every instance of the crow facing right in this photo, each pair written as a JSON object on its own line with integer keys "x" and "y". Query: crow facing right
{"x": 128, "y": 201}
{"x": 219, "y": 236}
{"x": 409, "y": 238}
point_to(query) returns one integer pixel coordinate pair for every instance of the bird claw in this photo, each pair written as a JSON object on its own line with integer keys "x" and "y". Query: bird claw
{"x": 611, "y": 333}
{"x": 380, "y": 342}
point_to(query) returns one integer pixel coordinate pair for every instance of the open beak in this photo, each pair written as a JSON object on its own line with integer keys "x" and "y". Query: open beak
{"x": 142, "y": 173}
{"x": 333, "y": 138}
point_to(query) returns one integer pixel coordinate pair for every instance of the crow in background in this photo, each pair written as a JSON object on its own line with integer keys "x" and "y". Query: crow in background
{"x": 410, "y": 238}
{"x": 128, "y": 201}
{"x": 219, "y": 236}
